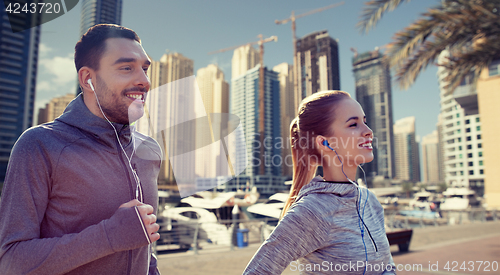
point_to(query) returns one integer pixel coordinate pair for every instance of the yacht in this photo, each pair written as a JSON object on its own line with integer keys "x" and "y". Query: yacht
{"x": 187, "y": 219}
{"x": 459, "y": 198}
{"x": 271, "y": 210}
{"x": 422, "y": 200}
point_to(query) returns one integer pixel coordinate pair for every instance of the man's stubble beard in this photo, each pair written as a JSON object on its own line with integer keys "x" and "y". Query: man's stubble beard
{"x": 118, "y": 113}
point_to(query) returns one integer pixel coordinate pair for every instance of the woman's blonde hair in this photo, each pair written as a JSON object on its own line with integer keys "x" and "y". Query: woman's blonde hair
{"x": 316, "y": 112}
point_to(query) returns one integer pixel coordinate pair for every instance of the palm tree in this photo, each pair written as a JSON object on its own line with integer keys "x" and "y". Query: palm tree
{"x": 407, "y": 188}
{"x": 469, "y": 29}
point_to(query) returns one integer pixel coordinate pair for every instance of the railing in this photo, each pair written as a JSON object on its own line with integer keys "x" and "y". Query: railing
{"x": 394, "y": 220}
{"x": 223, "y": 235}
{"x": 182, "y": 236}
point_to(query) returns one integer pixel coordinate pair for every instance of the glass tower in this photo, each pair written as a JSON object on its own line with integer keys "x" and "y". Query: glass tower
{"x": 100, "y": 12}
{"x": 18, "y": 67}
{"x": 318, "y": 64}
{"x": 373, "y": 92}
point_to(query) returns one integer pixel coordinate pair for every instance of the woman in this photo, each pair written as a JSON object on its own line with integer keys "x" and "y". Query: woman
{"x": 329, "y": 224}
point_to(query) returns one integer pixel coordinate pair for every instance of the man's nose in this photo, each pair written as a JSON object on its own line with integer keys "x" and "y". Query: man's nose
{"x": 143, "y": 80}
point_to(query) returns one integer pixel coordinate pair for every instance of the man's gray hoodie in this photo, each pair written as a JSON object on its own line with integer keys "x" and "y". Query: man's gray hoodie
{"x": 321, "y": 234}
{"x": 59, "y": 212}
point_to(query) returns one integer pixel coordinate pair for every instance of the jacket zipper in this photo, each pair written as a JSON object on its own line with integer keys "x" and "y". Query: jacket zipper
{"x": 129, "y": 265}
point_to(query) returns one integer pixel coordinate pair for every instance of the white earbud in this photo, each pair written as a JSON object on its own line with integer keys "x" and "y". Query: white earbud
{"x": 90, "y": 83}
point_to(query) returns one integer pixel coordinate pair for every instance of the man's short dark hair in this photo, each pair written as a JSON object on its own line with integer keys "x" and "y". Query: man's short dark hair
{"x": 89, "y": 50}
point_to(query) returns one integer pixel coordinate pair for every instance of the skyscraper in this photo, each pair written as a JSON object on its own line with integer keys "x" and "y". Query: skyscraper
{"x": 162, "y": 106}
{"x": 373, "y": 92}
{"x": 439, "y": 127}
{"x": 215, "y": 95}
{"x": 18, "y": 68}
{"x": 245, "y": 104}
{"x": 288, "y": 111}
{"x": 461, "y": 134}
{"x": 244, "y": 58}
{"x": 100, "y": 12}
{"x": 406, "y": 153}
{"x": 317, "y": 64}
{"x": 430, "y": 158}
{"x": 54, "y": 108}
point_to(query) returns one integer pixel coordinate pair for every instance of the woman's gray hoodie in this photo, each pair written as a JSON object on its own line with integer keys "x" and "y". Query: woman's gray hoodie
{"x": 321, "y": 234}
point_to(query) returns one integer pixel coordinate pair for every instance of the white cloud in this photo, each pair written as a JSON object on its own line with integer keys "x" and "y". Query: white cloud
{"x": 43, "y": 86}
{"x": 62, "y": 69}
{"x": 56, "y": 76}
{"x": 44, "y": 49}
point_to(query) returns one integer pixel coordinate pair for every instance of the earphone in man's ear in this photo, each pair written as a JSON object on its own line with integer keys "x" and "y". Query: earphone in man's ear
{"x": 90, "y": 83}
{"x": 325, "y": 143}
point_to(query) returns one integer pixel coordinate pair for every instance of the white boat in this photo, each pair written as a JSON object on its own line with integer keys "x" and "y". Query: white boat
{"x": 422, "y": 200}
{"x": 271, "y": 208}
{"x": 459, "y": 198}
{"x": 188, "y": 218}
{"x": 216, "y": 200}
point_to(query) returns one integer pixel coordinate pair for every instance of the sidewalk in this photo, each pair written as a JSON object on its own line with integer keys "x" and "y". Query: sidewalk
{"x": 430, "y": 247}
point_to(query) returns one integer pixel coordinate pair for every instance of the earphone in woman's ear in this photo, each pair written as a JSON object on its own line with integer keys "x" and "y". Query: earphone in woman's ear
{"x": 325, "y": 143}
{"x": 90, "y": 83}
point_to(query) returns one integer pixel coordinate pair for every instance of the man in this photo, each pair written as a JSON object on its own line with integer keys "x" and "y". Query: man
{"x": 77, "y": 197}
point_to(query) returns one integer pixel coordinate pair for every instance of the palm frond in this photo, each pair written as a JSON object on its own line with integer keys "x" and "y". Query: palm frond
{"x": 462, "y": 64}
{"x": 469, "y": 29}
{"x": 373, "y": 12}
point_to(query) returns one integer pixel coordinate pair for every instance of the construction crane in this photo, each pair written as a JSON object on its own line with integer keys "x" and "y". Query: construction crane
{"x": 260, "y": 42}
{"x": 292, "y": 19}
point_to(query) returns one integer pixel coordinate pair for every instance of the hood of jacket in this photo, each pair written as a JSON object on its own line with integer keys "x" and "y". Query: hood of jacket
{"x": 319, "y": 186}
{"x": 79, "y": 116}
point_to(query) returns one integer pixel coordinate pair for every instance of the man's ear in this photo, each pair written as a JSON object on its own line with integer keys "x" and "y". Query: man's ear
{"x": 84, "y": 74}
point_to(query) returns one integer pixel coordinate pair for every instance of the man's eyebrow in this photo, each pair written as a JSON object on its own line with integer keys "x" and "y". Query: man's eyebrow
{"x": 129, "y": 60}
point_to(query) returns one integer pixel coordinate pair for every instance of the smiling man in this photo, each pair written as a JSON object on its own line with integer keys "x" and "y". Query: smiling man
{"x": 76, "y": 198}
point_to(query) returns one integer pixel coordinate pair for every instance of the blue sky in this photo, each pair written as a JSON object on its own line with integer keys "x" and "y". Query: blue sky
{"x": 197, "y": 27}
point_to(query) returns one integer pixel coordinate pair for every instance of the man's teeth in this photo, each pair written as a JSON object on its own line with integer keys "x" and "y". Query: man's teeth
{"x": 135, "y": 96}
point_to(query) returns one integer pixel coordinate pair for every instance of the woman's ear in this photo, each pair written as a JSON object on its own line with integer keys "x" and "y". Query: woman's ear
{"x": 321, "y": 143}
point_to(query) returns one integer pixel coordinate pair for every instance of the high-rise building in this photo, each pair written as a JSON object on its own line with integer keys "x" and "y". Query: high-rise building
{"x": 430, "y": 159}
{"x": 317, "y": 64}
{"x": 440, "y": 158}
{"x": 162, "y": 107}
{"x": 245, "y": 104}
{"x": 244, "y": 58}
{"x": 406, "y": 153}
{"x": 288, "y": 111}
{"x": 373, "y": 92}
{"x": 19, "y": 40}
{"x": 100, "y": 12}
{"x": 461, "y": 134}
{"x": 488, "y": 99}
{"x": 214, "y": 92}
{"x": 54, "y": 108}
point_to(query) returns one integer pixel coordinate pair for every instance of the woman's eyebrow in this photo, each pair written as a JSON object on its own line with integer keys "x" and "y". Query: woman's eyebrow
{"x": 355, "y": 118}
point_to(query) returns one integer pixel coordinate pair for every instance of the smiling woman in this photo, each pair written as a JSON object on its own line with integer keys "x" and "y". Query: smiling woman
{"x": 323, "y": 220}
